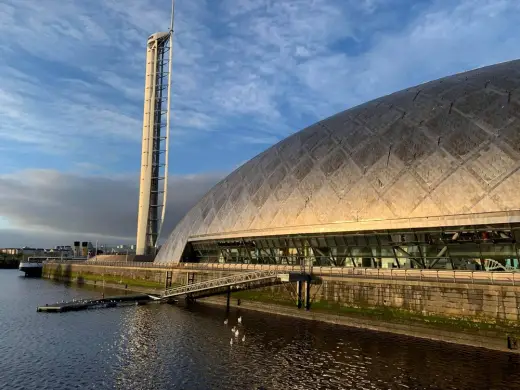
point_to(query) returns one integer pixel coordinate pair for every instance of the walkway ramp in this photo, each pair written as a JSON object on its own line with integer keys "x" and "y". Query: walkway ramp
{"x": 215, "y": 286}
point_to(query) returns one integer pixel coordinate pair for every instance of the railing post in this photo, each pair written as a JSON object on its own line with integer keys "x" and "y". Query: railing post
{"x": 391, "y": 274}
{"x": 472, "y": 279}
{"x": 405, "y": 274}
{"x": 513, "y": 278}
{"x": 454, "y": 279}
{"x": 492, "y": 279}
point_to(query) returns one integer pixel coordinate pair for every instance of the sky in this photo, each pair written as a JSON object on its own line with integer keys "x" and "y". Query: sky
{"x": 246, "y": 74}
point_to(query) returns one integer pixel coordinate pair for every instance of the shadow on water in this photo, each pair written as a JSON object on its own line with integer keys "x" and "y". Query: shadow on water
{"x": 80, "y": 281}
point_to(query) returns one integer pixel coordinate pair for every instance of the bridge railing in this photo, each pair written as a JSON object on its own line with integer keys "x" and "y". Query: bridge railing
{"x": 221, "y": 282}
{"x": 118, "y": 264}
{"x": 426, "y": 275}
{"x": 432, "y": 275}
{"x": 187, "y": 266}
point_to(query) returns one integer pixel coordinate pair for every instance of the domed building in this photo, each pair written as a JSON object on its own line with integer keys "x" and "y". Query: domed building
{"x": 426, "y": 177}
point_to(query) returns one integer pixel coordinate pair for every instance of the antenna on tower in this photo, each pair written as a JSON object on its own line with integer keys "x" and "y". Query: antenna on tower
{"x": 171, "y": 22}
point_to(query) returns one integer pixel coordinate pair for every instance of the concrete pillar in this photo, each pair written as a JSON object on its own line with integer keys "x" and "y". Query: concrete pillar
{"x": 308, "y": 294}
{"x": 299, "y": 294}
{"x": 228, "y": 297}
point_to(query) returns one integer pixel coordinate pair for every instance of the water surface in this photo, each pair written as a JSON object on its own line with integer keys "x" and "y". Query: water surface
{"x": 172, "y": 347}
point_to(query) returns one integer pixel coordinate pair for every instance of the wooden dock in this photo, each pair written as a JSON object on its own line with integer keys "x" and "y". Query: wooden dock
{"x": 85, "y": 304}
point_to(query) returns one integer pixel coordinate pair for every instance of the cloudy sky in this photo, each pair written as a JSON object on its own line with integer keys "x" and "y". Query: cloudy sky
{"x": 247, "y": 73}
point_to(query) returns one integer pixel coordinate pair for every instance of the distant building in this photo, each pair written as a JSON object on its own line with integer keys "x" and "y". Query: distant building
{"x": 123, "y": 249}
{"x": 28, "y": 251}
{"x": 11, "y": 251}
{"x": 62, "y": 251}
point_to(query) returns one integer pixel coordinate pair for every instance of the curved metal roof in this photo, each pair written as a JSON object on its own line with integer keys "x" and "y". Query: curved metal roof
{"x": 442, "y": 153}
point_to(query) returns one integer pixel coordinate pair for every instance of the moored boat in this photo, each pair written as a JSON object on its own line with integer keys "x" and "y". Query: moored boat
{"x": 33, "y": 266}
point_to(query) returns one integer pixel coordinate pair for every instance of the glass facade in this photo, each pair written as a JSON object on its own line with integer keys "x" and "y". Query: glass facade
{"x": 485, "y": 247}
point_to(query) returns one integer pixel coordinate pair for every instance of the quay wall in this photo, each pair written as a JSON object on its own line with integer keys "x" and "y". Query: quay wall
{"x": 477, "y": 302}
{"x": 485, "y": 311}
{"x": 126, "y": 277}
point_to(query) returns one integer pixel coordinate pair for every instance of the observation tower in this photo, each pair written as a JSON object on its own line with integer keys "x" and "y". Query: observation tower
{"x": 153, "y": 182}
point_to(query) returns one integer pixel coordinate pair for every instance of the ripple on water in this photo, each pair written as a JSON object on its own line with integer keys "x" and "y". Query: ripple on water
{"x": 163, "y": 346}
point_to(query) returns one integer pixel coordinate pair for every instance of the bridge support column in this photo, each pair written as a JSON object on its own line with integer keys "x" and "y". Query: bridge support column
{"x": 228, "y": 293}
{"x": 308, "y": 293}
{"x": 169, "y": 276}
{"x": 303, "y": 292}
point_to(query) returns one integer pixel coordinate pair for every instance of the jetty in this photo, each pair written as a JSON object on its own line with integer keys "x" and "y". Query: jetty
{"x": 84, "y": 304}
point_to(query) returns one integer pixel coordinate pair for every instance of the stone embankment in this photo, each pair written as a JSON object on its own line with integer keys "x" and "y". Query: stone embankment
{"x": 478, "y": 312}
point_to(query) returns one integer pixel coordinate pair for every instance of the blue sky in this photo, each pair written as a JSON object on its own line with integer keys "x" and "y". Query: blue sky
{"x": 247, "y": 73}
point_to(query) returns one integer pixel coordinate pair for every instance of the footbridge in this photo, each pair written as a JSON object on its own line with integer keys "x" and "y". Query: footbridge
{"x": 244, "y": 280}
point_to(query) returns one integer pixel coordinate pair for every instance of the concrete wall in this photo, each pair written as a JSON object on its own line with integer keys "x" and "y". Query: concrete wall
{"x": 474, "y": 302}
{"x": 134, "y": 277}
{"x": 481, "y": 302}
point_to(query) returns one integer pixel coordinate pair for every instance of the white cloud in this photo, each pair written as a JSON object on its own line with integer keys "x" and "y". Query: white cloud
{"x": 369, "y": 6}
{"x": 124, "y": 85}
{"x": 262, "y": 140}
{"x": 443, "y": 39}
{"x": 239, "y": 64}
{"x": 246, "y": 72}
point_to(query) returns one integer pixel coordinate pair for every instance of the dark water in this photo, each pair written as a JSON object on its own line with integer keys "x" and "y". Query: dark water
{"x": 171, "y": 347}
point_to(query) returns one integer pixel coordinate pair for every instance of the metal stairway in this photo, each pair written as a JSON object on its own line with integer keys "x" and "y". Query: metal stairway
{"x": 217, "y": 284}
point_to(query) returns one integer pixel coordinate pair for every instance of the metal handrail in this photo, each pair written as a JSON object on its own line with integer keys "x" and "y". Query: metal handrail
{"x": 220, "y": 282}
{"x": 445, "y": 276}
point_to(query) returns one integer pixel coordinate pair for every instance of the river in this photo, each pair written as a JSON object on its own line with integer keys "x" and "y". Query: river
{"x": 176, "y": 347}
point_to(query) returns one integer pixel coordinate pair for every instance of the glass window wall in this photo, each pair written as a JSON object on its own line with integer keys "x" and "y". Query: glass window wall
{"x": 492, "y": 247}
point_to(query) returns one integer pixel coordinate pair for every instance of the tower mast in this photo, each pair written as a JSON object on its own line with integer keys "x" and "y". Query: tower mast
{"x": 155, "y": 140}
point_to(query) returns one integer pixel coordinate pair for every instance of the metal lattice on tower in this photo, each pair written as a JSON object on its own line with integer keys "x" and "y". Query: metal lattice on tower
{"x": 155, "y": 142}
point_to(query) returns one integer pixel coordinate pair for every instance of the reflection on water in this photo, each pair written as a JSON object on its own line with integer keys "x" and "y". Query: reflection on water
{"x": 163, "y": 346}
